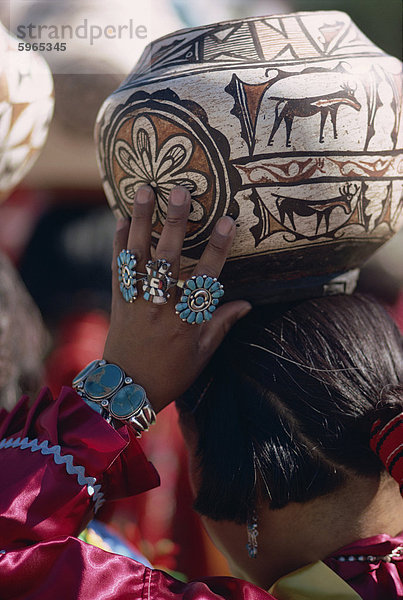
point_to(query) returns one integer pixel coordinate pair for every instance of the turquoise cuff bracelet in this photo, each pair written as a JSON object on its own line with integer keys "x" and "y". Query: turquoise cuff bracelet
{"x": 106, "y": 388}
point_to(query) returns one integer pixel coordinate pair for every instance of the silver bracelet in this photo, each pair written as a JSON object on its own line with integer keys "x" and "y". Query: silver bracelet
{"x": 107, "y": 389}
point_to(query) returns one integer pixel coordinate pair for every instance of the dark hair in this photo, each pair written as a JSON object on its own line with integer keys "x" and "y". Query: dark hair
{"x": 285, "y": 408}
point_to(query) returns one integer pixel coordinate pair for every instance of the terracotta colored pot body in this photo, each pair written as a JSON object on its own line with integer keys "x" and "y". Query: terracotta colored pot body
{"x": 26, "y": 108}
{"x": 291, "y": 124}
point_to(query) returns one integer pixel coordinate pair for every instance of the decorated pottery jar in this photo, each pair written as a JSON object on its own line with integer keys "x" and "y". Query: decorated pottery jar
{"x": 290, "y": 124}
{"x": 26, "y": 108}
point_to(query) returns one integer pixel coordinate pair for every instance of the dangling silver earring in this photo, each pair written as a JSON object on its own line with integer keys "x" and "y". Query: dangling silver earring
{"x": 253, "y": 532}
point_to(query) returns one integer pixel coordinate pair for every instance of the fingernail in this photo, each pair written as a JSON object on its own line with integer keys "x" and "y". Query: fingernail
{"x": 178, "y": 196}
{"x": 121, "y": 223}
{"x": 224, "y": 225}
{"x": 244, "y": 311}
{"x": 144, "y": 195}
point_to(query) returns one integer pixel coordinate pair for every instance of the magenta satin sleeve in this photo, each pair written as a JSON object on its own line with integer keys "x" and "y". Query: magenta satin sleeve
{"x": 59, "y": 463}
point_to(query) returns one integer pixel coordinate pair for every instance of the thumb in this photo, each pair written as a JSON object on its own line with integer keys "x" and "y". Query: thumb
{"x": 224, "y": 318}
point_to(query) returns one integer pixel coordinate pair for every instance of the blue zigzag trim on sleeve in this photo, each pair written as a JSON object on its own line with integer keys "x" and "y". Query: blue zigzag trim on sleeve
{"x": 93, "y": 489}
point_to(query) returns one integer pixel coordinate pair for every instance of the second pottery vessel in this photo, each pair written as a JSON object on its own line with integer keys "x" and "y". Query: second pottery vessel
{"x": 26, "y": 109}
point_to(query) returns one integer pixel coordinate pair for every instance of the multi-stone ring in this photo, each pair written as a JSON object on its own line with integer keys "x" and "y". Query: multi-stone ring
{"x": 199, "y": 299}
{"x": 128, "y": 276}
{"x": 158, "y": 281}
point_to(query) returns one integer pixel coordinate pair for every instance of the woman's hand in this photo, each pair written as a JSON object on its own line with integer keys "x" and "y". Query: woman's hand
{"x": 149, "y": 341}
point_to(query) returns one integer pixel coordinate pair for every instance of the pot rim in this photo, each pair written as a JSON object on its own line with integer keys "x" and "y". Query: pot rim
{"x": 186, "y": 30}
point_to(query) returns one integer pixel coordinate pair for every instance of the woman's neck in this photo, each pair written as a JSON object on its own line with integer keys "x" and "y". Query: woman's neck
{"x": 300, "y": 534}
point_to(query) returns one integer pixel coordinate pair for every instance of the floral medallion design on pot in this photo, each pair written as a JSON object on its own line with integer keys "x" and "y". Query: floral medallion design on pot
{"x": 200, "y": 297}
{"x": 127, "y": 275}
{"x": 162, "y": 168}
{"x": 164, "y": 142}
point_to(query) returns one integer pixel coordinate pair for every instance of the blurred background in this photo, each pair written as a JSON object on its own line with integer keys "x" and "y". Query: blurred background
{"x": 56, "y": 229}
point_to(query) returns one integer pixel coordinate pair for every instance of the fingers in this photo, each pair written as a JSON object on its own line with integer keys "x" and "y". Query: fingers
{"x": 201, "y": 294}
{"x": 214, "y": 256}
{"x": 120, "y": 239}
{"x": 139, "y": 239}
{"x": 173, "y": 233}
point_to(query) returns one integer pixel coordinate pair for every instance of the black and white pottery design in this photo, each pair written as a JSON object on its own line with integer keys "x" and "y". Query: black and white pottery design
{"x": 291, "y": 124}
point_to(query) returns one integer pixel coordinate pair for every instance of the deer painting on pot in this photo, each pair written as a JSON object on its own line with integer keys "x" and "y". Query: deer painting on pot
{"x": 326, "y": 105}
{"x": 321, "y": 209}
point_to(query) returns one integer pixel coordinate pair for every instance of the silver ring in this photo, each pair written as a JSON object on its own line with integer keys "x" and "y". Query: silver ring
{"x": 127, "y": 275}
{"x": 158, "y": 281}
{"x": 199, "y": 299}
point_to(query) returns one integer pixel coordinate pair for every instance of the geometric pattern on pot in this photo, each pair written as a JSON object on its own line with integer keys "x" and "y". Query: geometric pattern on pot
{"x": 299, "y": 37}
{"x": 160, "y": 141}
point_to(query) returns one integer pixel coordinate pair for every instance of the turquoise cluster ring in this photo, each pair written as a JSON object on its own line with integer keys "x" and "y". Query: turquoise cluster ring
{"x": 127, "y": 275}
{"x": 199, "y": 299}
{"x": 106, "y": 388}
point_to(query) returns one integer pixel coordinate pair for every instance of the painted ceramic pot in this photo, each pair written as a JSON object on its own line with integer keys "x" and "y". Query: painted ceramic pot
{"x": 26, "y": 108}
{"x": 291, "y": 124}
